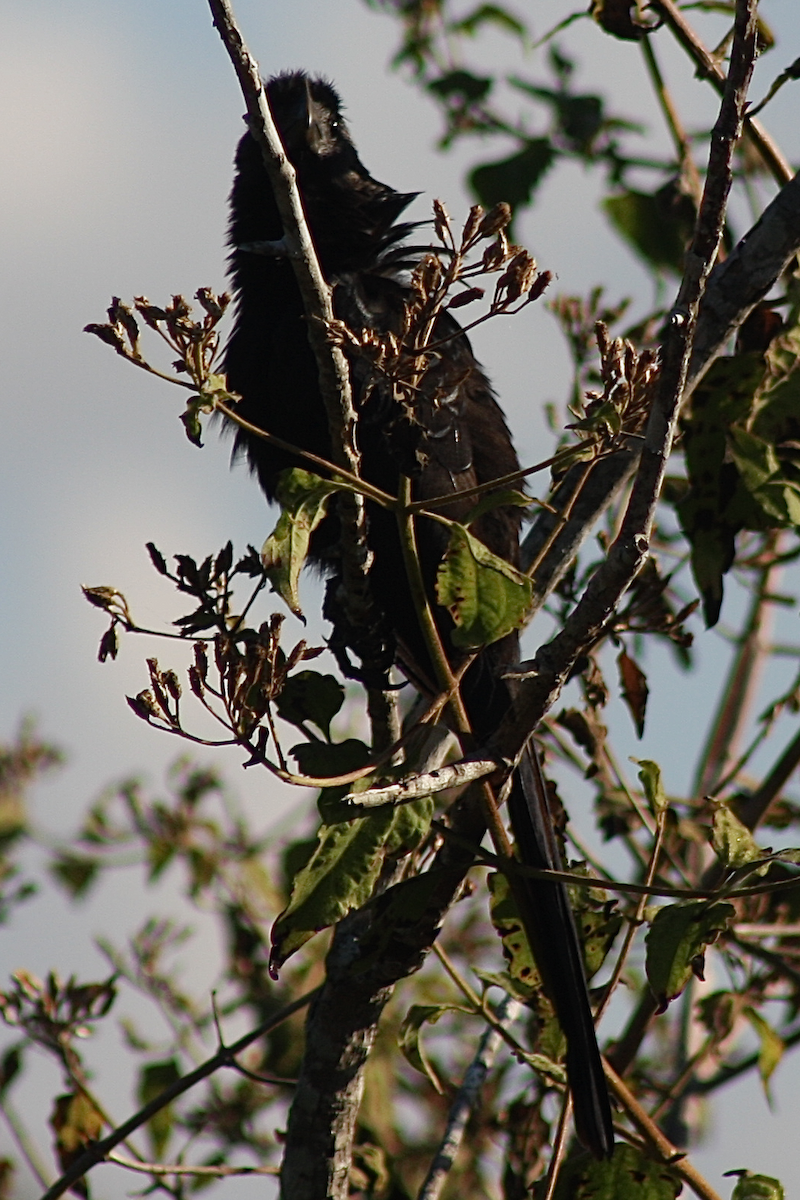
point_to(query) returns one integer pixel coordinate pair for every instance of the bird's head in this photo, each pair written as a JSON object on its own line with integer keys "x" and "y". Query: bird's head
{"x": 308, "y": 115}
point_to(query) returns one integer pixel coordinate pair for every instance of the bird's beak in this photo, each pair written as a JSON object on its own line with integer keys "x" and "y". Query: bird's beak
{"x": 301, "y": 126}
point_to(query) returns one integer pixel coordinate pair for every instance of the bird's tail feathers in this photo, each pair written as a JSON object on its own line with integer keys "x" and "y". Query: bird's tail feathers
{"x": 550, "y": 927}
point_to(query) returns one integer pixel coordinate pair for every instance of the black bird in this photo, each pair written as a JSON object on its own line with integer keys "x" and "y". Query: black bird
{"x": 452, "y": 444}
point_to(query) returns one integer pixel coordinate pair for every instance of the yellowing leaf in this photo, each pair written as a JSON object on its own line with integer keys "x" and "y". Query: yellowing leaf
{"x": 771, "y": 1048}
{"x": 733, "y": 841}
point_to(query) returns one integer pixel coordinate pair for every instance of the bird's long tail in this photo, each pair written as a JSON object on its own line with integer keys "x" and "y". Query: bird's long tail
{"x": 550, "y": 927}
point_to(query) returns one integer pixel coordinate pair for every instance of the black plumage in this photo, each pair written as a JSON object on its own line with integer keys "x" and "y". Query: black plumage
{"x": 457, "y": 438}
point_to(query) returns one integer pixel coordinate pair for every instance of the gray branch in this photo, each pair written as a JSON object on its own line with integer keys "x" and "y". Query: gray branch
{"x": 428, "y": 783}
{"x": 465, "y": 1100}
{"x": 542, "y": 680}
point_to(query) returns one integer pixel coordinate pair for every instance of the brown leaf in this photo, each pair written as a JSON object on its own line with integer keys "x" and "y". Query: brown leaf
{"x": 634, "y": 689}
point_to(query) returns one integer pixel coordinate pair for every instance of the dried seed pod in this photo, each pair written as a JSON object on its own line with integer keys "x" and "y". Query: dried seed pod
{"x": 472, "y": 225}
{"x": 441, "y": 223}
{"x": 496, "y": 219}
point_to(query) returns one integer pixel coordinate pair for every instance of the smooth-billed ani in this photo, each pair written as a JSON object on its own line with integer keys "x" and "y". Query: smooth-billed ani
{"x": 457, "y": 438}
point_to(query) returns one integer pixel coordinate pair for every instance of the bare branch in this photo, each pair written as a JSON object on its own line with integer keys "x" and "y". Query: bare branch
{"x": 745, "y": 277}
{"x": 465, "y": 1100}
{"x": 553, "y": 662}
{"x": 426, "y": 784}
{"x": 709, "y": 68}
{"x": 199, "y": 1172}
{"x": 224, "y": 1057}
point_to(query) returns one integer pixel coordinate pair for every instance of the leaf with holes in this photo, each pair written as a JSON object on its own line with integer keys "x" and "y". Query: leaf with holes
{"x": 676, "y": 942}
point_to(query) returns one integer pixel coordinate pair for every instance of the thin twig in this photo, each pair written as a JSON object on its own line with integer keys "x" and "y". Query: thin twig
{"x": 200, "y": 1172}
{"x": 23, "y": 1142}
{"x": 662, "y": 1145}
{"x": 741, "y": 686}
{"x": 559, "y": 1146}
{"x": 635, "y": 921}
{"x": 482, "y": 1009}
{"x": 515, "y": 867}
{"x": 628, "y": 552}
{"x": 710, "y": 69}
{"x": 680, "y": 138}
{"x": 225, "y": 1056}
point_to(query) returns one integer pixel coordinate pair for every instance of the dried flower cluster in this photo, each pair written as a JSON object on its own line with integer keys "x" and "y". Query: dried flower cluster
{"x": 404, "y": 355}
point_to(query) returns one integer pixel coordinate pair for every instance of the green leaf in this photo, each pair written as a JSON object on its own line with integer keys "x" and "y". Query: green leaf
{"x": 506, "y": 981}
{"x": 304, "y": 499}
{"x": 733, "y": 842}
{"x": 516, "y": 950}
{"x": 190, "y": 419}
{"x": 760, "y": 472}
{"x": 756, "y": 1187}
{"x": 505, "y": 498}
{"x": 513, "y": 179}
{"x": 340, "y": 871}
{"x": 713, "y": 551}
{"x": 339, "y": 876}
{"x": 580, "y": 117}
{"x": 154, "y": 1079}
{"x": 486, "y": 597}
{"x": 653, "y": 788}
{"x": 321, "y": 759}
{"x": 10, "y": 1066}
{"x": 160, "y": 853}
{"x": 410, "y": 1040}
{"x": 463, "y": 84}
{"x": 488, "y": 14}
{"x": 75, "y": 872}
{"x": 642, "y": 221}
{"x": 310, "y": 696}
{"x": 737, "y": 480}
{"x": 676, "y": 942}
{"x": 771, "y": 1049}
{"x": 628, "y": 1175}
{"x": 410, "y": 826}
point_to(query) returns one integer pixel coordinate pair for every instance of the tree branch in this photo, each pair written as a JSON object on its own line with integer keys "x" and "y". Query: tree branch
{"x": 372, "y": 950}
{"x": 709, "y": 68}
{"x": 553, "y": 663}
{"x": 465, "y": 1100}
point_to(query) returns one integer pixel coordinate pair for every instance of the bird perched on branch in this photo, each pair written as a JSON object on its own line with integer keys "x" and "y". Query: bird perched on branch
{"x": 451, "y": 438}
